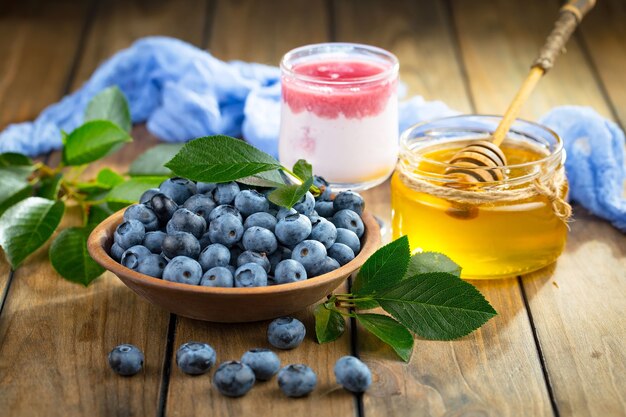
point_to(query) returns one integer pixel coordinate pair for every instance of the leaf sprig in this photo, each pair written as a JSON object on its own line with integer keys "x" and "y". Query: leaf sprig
{"x": 422, "y": 294}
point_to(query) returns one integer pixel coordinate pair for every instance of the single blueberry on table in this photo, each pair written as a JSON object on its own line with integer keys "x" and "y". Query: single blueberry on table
{"x": 163, "y": 206}
{"x": 262, "y": 219}
{"x": 311, "y": 254}
{"x": 251, "y": 201}
{"x": 195, "y": 358}
{"x": 205, "y": 187}
{"x": 286, "y": 332}
{"x": 154, "y": 241}
{"x": 306, "y": 205}
{"x": 342, "y": 253}
{"x": 132, "y": 256}
{"x": 180, "y": 244}
{"x": 250, "y": 275}
{"x": 219, "y": 276}
{"x": 178, "y": 189}
{"x": 225, "y": 193}
{"x": 322, "y": 184}
{"x": 144, "y": 214}
{"x": 200, "y": 204}
{"x": 152, "y": 265}
{"x": 263, "y": 362}
{"x": 214, "y": 255}
{"x": 352, "y": 374}
{"x": 148, "y": 194}
{"x": 348, "y": 238}
{"x": 284, "y": 212}
{"x": 226, "y": 229}
{"x": 329, "y": 264}
{"x": 129, "y": 233}
{"x": 293, "y": 229}
{"x": 233, "y": 378}
{"x": 296, "y": 380}
{"x": 289, "y": 271}
{"x": 259, "y": 239}
{"x": 254, "y": 257}
{"x": 126, "y": 360}
{"x": 350, "y": 220}
{"x": 323, "y": 231}
{"x": 184, "y": 220}
{"x": 324, "y": 208}
{"x": 116, "y": 252}
{"x": 224, "y": 209}
{"x": 183, "y": 270}
{"x": 349, "y": 200}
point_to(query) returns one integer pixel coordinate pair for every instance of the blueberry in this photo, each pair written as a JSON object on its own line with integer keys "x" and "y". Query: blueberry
{"x": 255, "y": 258}
{"x": 163, "y": 206}
{"x": 126, "y": 360}
{"x": 350, "y": 220}
{"x": 235, "y": 252}
{"x": 218, "y": 276}
{"x": 214, "y": 255}
{"x": 233, "y": 378}
{"x": 348, "y": 238}
{"x": 322, "y": 184}
{"x": 284, "y": 212}
{"x": 226, "y": 229}
{"x": 144, "y": 214}
{"x": 261, "y": 219}
{"x": 225, "y": 193}
{"x": 323, "y": 231}
{"x": 204, "y": 241}
{"x": 147, "y": 195}
{"x": 324, "y": 208}
{"x": 195, "y": 358}
{"x": 296, "y": 380}
{"x": 251, "y": 201}
{"x": 116, "y": 252}
{"x": 342, "y": 253}
{"x": 286, "y": 333}
{"x": 306, "y": 205}
{"x": 205, "y": 187}
{"x": 289, "y": 271}
{"x": 200, "y": 204}
{"x": 250, "y": 275}
{"x": 293, "y": 229}
{"x": 258, "y": 239}
{"x": 263, "y": 362}
{"x": 349, "y": 200}
{"x": 184, "y": 220}
{"x": 352, "y": 374}
{"x": 152, "y": 265}
{"x": 281, "y": 254}
{"x": 178, "y": 189}
{"x": 329, "y": 264}
{"x": 180, "y": 244}
{"x": 225, "y": 209}
{"x": 311, "y": 254}
{"x": 129, "y": 233}
{"x": 131, "y": 256}
{"x": 183, "y": 270}
{"x": 154, "y": 241}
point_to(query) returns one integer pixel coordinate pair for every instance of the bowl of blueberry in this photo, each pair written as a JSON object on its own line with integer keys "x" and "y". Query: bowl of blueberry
{"x": 224, "y": 253}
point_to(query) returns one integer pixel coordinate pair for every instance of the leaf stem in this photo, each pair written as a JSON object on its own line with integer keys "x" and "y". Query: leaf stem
{"x": 314, "y": 189}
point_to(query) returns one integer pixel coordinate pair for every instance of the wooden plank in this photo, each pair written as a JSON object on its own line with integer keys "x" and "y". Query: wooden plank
{"x": 263, "y": 34}
{"x": 494, "y": 371}
{"x": 70, "y": 329}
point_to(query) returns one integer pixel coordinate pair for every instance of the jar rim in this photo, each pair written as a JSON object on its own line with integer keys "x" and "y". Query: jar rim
{"x": 333, "y": 48}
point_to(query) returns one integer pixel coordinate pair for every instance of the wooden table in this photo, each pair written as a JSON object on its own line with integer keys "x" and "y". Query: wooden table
{"x": 557, "y": 346}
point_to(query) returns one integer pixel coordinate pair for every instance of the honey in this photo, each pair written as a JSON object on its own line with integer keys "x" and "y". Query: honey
{"x": 493, "y": 238}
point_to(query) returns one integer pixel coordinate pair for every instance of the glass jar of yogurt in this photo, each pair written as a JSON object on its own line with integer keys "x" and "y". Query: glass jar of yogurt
{"x": 340, "y": 112}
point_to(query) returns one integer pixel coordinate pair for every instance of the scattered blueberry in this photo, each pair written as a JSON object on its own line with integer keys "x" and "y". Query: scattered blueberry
{"x": 352, "y": 374}
{"x": 324, "y": 208}
{"x": 261, "y": 259}
{"x": 311, "y": 254}
{"x": 306, "y": 205}
{"x": 224, "y": 209}
{"x": 178, "y": 189}
{"x": 293, "y": 229}
{"x": 225, "y": 193}
{"x": 348, "y": 238}
{"x": 132, "y": 256}
{"x": 286, "y": 333}
{"x": 251, "y": 201}
{"x": 163, "y": 206}
{"x": 152, "y": 265}
{"x": 195, "y": 358}
{"x": 350, "y": 220}
{"x": 219, "y": 276}
{"x": 258, "y": 239}
{"x": 296, "y": 380}
{"x": 154, "y": 241}
{"x": 342, "y": 253}
{"x": 323, "y": 231}
{"x": 289, "y": 271}
{"x": 184, "y": 220}
{"x": 226, "y": 229}
{"x": 129, "y": 233}
{"x": 262, "y": 219}
{"x": 349, "y": 200}
{"x": 183, "y": 270}
{"x": 263, "y": 362}
{"x": 201, "y": 205}
{"x": 233, "y": 378}
{"x": 126, "y": 360}
{"x": 180, "y": 244}
{"x": 144, "y": 214}
{"x": 250, "y": 275}
{"x": 214, "y": 255}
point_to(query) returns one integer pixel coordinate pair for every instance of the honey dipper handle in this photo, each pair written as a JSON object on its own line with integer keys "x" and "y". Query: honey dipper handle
{"x": 570, "y": 16}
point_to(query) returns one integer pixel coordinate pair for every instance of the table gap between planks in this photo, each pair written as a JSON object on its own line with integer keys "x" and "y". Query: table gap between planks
{"x": 556, "y": 347}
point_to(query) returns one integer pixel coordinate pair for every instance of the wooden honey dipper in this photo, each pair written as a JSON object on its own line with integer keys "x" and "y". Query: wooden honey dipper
{"x": 483, "y": 161}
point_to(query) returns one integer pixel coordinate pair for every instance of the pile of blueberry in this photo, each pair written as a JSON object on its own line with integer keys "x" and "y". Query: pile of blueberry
{"x": 236, "y": 378}
{"x": 231, "y": 235}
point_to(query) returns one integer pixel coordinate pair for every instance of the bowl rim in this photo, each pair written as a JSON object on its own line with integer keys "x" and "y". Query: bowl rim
{"x": 100, "y": 236}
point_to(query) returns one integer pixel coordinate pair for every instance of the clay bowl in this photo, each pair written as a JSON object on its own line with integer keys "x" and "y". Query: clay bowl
{"x": 228, "y": 305}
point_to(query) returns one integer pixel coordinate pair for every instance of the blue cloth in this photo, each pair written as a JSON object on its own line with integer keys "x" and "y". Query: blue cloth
{"x": 183, "y": 92}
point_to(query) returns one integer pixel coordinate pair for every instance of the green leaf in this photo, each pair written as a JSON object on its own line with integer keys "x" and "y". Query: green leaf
{"x": 303, "y": 169}
{"x": 268, "y": 179}
{"x": 152, "y": 162}
{"x": 329, "y": 324}
{"x": 15, "y": 163}
{"x": 389, "y": 331}
{"x": 129, "y": 192}
{"x": 92, "y": 187}
{"x": 49, "y": 187}
{"x": 220, "y": 159}
{"x": 26, "y": 226}
{"x": 423, "y": 262}
{"x": 13, "y": 188}
{"x": 97, "y": 214}
{"x": 436, "y": 305}
{"x": 92, "y": 141}
{"x": 384, "y": 268}
{"x": 110, "y": 104}
{"x": 288, "y": 195}
{"x": 69, "y": 257}
{"x": 108, "y": 177}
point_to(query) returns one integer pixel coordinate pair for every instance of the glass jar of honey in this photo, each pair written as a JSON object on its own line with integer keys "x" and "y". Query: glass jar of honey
{"x": 492, "y": 229}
